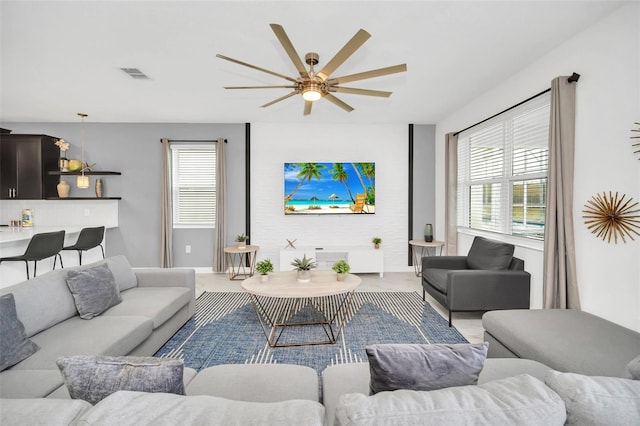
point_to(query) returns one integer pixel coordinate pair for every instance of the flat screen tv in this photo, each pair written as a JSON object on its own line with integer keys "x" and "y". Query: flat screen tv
{"x": 329, "y": 188}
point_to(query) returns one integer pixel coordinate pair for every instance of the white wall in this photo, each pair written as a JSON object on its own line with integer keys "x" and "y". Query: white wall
{"x": 607, "y": 55}
{"x": 274, "y": 144}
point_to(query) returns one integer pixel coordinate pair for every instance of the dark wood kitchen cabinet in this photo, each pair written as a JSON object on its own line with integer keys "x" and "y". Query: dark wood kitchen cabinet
{"x": 25, "y": 161}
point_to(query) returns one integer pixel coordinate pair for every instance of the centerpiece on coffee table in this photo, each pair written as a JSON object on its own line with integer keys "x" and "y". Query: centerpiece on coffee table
{"x": 304, "y": 267}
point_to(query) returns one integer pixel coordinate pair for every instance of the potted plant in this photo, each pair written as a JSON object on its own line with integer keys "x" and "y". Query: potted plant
{"x": 241, "y": 239}
{"x": 376, "y": 242}
{"x": 264, "y": 267}
{"x": 341, "y": 267}
{"x": 304, "y": 267}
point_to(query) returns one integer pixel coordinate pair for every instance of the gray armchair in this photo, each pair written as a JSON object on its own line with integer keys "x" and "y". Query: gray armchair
{"x": 488, "y": 278}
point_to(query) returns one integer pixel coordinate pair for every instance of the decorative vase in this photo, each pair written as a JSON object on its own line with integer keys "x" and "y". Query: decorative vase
{"x": 242, "y": 244}
{"x": 99, "y": 188}
{"x": 428, "y": 233}
{"x": 264, "y": 278}
{"x": 340, "y": 277}
{"x": 64, "y": 165}
{"x": 304, "y": 276}
{"x": 63, "y": 189}
{"x": 376, "y": 246}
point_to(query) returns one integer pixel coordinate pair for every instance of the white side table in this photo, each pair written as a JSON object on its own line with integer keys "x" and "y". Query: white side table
{"x": 420, "y": 249}
{"x": 241, "y": 261}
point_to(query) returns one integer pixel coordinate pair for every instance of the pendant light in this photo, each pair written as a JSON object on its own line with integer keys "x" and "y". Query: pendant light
{"x": 82, "y": 181}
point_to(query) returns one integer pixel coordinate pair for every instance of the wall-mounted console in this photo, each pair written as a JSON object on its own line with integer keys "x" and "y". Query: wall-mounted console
{"x": 361, "y": 259}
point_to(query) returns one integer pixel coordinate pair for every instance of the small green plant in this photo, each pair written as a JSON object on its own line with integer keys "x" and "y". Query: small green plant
{"x": 264, "y": 267}
{"x": 241, "y": 238}
{"x": 376, "y": 240}
{"x": 304, "y": 264}
{"x": 341, "y": 267}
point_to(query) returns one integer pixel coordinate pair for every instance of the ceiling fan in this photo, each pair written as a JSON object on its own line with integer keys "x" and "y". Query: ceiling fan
{"x": 316, "y": 85}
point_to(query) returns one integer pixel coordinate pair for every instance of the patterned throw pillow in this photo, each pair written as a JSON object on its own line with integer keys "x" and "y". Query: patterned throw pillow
{"x": 424, "y": 367}
{"x": 14, "y": 345}
{"x": 93, "y": 378}
{"x": 94, "y": 290}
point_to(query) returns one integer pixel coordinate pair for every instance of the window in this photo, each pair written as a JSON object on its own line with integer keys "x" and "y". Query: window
{"x": 502, "y": 172}
{"x": 194, "y": 185}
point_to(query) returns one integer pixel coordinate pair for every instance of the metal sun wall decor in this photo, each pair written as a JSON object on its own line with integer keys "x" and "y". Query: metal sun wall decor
{"x": 634, "y": 144}
{"x": 608, "y": 215}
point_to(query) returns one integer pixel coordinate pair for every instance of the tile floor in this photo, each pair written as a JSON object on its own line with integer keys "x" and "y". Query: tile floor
{"x": 468, "y": 323}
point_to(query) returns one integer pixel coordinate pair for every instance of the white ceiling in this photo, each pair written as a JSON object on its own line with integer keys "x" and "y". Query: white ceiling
{"x": 63, "y": 57}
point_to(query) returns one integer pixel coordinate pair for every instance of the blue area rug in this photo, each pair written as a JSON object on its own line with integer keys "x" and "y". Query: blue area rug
{"x": 225, "y": 330}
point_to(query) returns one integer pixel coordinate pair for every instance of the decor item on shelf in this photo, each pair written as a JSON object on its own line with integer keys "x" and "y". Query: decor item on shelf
{"x": 341, "y": 267}
{"x": 304, "y": 267}
{"x": 376, "y": 242}
{"x": 63, "y": 189}
{"x": 314, "y": 85}
{"x": 99, "y": 188}
{"x": 241, "y": 239}
{"x": 264, "y": 267}
{"x": 428, "y": 233}
{"x": 82, "y": 181}
{"x": 64, "y": 161}
{"x": 634, "y": 144}
{"x": 74, "y": 165}
{"x": 290, "y": 243}
{"x": 608, "y": 215}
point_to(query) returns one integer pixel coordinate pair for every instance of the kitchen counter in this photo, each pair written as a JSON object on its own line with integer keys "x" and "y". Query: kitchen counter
{"x": 11, "y": 234}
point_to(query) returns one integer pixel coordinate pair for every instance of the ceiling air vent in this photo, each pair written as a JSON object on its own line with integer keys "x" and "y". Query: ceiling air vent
{"x": 135, "y": 73}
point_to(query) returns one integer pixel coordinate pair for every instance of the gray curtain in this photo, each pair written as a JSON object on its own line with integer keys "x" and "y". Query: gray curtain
{"x": 450, "y": 191}
{"x": 220, "y": 235}
{"x": 166, "y": 215}
{"x": 560, "y": 281}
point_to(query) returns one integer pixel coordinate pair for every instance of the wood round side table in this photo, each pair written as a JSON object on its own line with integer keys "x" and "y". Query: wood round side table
{"x": 420, "y": 249}
{"x": 241, "y": 261}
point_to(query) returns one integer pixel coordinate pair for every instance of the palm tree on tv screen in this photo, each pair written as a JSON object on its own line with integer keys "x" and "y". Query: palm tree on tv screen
{"x": 339, "y": 174}
{"x": 307, "y": 172}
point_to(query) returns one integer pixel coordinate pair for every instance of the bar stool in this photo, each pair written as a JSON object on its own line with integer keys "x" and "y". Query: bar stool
{"x": 88, "y": 239}
{"x": 40, "y": 247}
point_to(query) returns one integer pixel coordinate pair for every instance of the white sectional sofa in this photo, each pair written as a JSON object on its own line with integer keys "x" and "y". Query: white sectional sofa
{"x": 155, "y": 304}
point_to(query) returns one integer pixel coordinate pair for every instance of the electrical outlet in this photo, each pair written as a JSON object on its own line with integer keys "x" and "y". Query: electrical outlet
{"x": 87, "y": 213}
{"x": 187, "y": 249}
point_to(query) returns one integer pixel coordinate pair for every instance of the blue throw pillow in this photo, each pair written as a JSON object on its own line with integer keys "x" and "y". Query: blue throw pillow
{"x": 424, "y": 367}
{"x": 14, "y": 345}
{"x": 94, "y": 290}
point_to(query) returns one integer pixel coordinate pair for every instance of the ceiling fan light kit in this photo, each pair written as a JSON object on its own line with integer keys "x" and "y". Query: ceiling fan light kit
{"x": 314, "y": 85}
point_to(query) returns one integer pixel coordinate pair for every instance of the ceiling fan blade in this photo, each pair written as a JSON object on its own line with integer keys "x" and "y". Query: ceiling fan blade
{"x": 347, "y": 50}
{"x": 307, "y": 107}
{"x": 368, "y": 74}
{"x": 226, "y": 58}
{"x": 282, "y": 98}
{"x": 365, "y": 92}
{"x": 291, "y": 51}
{"x": 338, "y": 102}
{"x": 260, "y": 87}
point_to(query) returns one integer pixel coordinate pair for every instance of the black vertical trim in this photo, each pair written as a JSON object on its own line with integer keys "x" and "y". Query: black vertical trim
{"x": 247, "y": 179}
{"x": 410, "y": 200}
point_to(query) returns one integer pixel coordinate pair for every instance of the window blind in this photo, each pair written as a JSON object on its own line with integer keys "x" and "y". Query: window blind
{"x": 194, "y": 184}
{"x": 502, "y": 171}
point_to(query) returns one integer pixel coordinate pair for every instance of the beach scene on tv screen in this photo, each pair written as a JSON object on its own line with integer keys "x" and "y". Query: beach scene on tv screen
{"x": 329, "y": 188}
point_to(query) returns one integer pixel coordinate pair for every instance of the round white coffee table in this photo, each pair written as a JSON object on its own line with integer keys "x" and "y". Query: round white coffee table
{"x": 278, "y": 300}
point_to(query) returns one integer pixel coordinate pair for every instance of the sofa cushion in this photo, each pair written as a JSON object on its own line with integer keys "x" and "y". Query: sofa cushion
{"x": 632, "y": 370}
{"x": 584, "y": 343}
{"x": 257, "y": 382}
{"x": 126, "y": 408}
{"x": 29, "y": 383}
{"x": 40, "y": 411}
{"x": 488, "y": 254}
{"x": 75, "y": 336}
{"x": 14, "y": 345}
{"x": 93, "y": 378}
{"x": 157, "y": 303}
{"x": 43, "y": 301}
{"x": 94, "y": 290}
{"x": 521, "y": 400}
{"x": 122, "y": 272}
{"x": 424, "y": 367}
{"x": 437, "y": 278}
{"x": 597, "y": 400}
